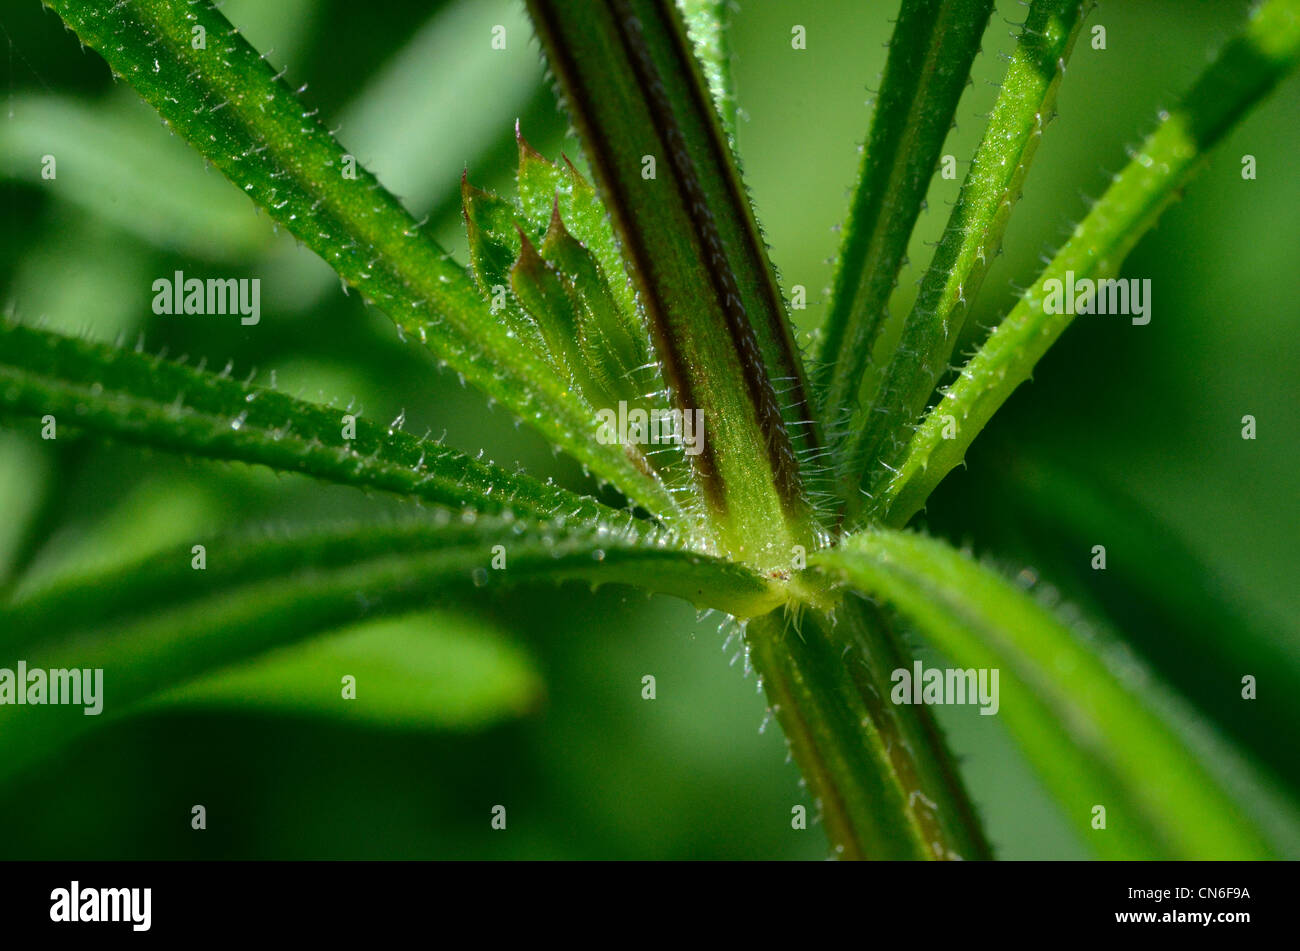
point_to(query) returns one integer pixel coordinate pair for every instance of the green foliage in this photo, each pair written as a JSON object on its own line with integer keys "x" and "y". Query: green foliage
{"x": 426, "y": 671}
{"x": 228, "y": 102}
{"x": 563, "y": 291}
{"x": 172, "y": 618}
{"x": 1247, "y": 69}
{"x": 648, "y": 287}
{"x": 970, "y": 242}
{"x": 135, "y": 397}
{"x": 1155, "y": 583}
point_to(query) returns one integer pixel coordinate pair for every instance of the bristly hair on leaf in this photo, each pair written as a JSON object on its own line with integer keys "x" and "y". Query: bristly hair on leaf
{"x": 644, "y": 291}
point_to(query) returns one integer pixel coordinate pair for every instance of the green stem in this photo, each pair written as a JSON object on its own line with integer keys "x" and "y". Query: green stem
{"x": 885, "y": 784}
{"x": 663, "y": 166}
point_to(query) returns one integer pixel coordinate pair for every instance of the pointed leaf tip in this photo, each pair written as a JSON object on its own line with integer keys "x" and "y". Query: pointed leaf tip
{"x": 526, "y": 152}
{"x": 528, "y": 254}
{"x": 489, "y": 220}
{"x": 555, "y": 230}
{"x": 573, "y": 170}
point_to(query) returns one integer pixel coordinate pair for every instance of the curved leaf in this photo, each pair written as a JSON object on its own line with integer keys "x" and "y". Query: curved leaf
{"x": 153, "y": 625}
{"x": 930, "y": 57}
{"x": 1173, "y": 605}
{"x": 1090, "y": 735}
{"x": 436, "y": 670}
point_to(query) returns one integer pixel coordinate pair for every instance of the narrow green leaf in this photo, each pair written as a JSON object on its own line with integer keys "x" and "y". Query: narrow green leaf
{"x": 661, "y": 162}
{"x": 611, "y": 345}
{"x": 492, "y": 226}
{"x": 156, "y": 513}
{"x": 929, "y": 63}
{"x": 565, "y": 214}
{"x": 1193, "y": 624}
{"x": 1092, "y": 737}
{"x": 434, "y": 670}
{"x": 154, "y": 625}
{"x": 538, "y": 286}
{"x": 227, "y": 101}
{"x": 30, "y": 477}
{"x": 89, "y": 601}
{"x": 559, "y": 301}
{"x": 1244, "y": 72}
{"x": 707, "y": 24}
{"x": 969, "y": 244}
{"x": 143, "y": 399}
{"x": 152, "y": 184}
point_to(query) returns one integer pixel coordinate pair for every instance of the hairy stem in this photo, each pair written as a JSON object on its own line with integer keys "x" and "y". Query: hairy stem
{"x": 885, "y": 784}
{"x": 665, "y": 170}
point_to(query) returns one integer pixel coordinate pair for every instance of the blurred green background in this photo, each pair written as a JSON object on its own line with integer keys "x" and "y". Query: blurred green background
{"x": 1129, "y": 436}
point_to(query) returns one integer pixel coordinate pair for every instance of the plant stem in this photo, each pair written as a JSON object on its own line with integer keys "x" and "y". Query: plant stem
{"x": 665, "y": 171}
{"x": 885, "y": 784}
